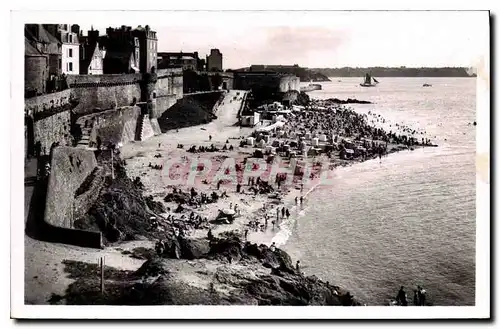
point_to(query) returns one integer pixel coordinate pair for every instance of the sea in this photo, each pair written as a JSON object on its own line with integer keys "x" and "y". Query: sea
{"x": 408, "y": 219}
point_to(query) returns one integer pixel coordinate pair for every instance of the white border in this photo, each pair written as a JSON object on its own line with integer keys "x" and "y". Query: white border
{"x": 481, "y": 309}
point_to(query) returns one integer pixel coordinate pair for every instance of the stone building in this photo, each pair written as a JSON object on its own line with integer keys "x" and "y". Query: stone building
{"x": 214, "y": 60}
{"x": 46, "y": 43}
{"x": 186, "y": 61}
{"x": 68, "y": 35}
{"x": 36, "y": 67}
{"x": 129, "y": 50}
{"x": 273, "y": 82}
{"x": 91, "y": 54}
{"x": 148, "y": 45}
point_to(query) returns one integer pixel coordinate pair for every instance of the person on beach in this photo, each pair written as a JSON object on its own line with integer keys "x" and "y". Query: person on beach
{"x": 231, "y": 205}
{"x": 273, "y": 246}
{"x": 283, "y": 212}
{"x": 265, "y": 219}
{"x": 416, "y": 301}
{"x": 218, "y": 184}
{"x": 401, "y": 297}
{"x": 210, "y": 138}
{"x": 210, "y": 235}
{"x": 296, "y": 200}
{"x": 246, "y": 234}
{"x": 302, "y": 187}
{"x": 301, "y": 199}
{"x": 277, "y": 213}
{"x": 273, "y": 222}
{"x": 421, "y": 296}
{"x": 287, "y": 213}
{"x": 297, "y": 266}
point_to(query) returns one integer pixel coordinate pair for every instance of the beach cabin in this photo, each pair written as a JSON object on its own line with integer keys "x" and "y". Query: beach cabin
{"x": 250, "y": 120}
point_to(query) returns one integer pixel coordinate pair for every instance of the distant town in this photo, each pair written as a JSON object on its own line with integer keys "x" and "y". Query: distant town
{"x": 53, "y": 50}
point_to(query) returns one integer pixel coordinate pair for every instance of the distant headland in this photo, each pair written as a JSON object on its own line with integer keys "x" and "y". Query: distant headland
{"x": 396, "y": 71}
{"x": 321, "y": 74}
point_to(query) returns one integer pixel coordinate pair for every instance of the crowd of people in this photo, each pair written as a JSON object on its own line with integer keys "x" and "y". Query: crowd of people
{"x": 419, "y": 297}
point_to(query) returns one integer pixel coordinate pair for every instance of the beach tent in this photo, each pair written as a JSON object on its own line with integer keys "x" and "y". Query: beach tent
{"x": 271, "y": 127}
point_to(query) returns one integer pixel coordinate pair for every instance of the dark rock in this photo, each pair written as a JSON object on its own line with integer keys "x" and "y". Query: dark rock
{"x": 152, "y": 267}
{"x": 229, "y": 248}
{"x": 193, "y": 249}
{"x": 348, "y": 101}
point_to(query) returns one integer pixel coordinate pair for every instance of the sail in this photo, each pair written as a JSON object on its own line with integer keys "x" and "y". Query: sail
{"x": 375, "y": 80}
{"x": 368, "y": 79}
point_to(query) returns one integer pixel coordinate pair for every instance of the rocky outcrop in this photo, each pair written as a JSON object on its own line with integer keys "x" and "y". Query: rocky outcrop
{"x": 243, "y": 282}
{"x": 122, "y": 212}
{"x": 347, "y": 101}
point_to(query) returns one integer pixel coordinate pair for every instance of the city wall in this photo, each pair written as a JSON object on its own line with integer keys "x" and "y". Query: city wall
{"x": 168, "y": 89}
{"x": 282, "y": 83}
{"x": 115, "y": 126}
{"x": 227, "y": 77}
{"x": 104, "y": 92}
{"x": 53, "y": 129}
{"x": 45, "y": 103}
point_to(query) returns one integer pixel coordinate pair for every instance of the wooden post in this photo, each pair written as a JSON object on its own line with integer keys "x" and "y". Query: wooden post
{"x": 102, "y": 274}
{"x": 112, "y": 166}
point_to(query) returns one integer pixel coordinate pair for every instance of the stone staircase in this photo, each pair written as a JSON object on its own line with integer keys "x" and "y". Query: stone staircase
{"x": 144, "y": 128}
{"x": 85, "y": 139}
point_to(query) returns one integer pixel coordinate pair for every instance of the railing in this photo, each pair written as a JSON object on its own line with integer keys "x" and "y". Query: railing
{"x": 202, "y": 92}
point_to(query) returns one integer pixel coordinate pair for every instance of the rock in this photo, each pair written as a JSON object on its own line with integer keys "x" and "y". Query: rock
{"x": 229, "y": 248}
{"x": 193, "y": 249}
{"x": 277, "y": 259}
{"x": 152, "y": 267}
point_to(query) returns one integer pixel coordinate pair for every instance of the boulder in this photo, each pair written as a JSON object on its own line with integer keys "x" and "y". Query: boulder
{"x": 152, "y": 267}
{"x": 193, "y": 249}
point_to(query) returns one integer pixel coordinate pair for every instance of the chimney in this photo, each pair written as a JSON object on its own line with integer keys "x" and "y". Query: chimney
{"x": 75, "y": 28}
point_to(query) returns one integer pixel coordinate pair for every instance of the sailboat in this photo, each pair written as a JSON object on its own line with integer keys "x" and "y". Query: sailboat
{"x": 368, "y": 81}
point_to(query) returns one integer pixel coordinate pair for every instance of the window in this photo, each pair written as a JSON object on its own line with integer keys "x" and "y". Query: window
{"x": 70, "y": 67}
{"x": 70, "y": 52}
{"x": 60, "y": 64}
{"x": 70, "y": 38}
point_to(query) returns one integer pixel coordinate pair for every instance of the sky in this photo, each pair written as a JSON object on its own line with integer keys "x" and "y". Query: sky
{"x": 324, "y": 39}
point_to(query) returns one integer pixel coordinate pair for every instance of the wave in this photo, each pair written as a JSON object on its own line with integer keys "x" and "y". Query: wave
{"x": 287, "y": 226}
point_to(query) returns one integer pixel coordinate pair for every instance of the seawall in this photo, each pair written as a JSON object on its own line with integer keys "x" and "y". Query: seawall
{"x": 103, "y": 92}
{"x": 113, "y": 126}
{"x": 168, "y": 89}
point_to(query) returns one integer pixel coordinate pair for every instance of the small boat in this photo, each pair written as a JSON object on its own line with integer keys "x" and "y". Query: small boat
{"x": 368, "y": 81}
{"x": 426, "y": 85}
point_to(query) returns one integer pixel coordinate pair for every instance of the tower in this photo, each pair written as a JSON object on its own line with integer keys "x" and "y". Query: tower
{"x": 148, "y": 45}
